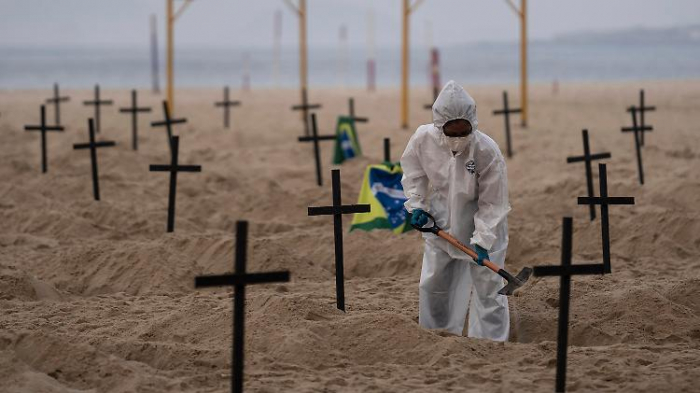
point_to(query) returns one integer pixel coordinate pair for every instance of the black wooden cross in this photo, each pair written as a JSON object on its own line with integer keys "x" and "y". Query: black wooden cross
{"x": 565, "y": 271}
{"x": 637, "y": 141}
{"x": 238, "y": 280}
{"x": 93, "y": 146}
{"x": 174, "y": 168}
{"x": 604, "y": 201}
{"x": 387, "y": 150}
{"x": 134, "y": 110}
{"x": 168, "y": 122}
{"x": 56, "y": 101}
{"x": 507, "y": 111}
{"x": 227, "y": 104}
{"x": 337, "y": 211}
{"x": 587, "y": 158}
{"x": 351, "y": 108}
{"x": 315, "y": 138}
{"x": 641, "y": 109}
{"x": 97, "y": 103}
{"x": 43, "y": 128}
{"x": 304, "y": 107}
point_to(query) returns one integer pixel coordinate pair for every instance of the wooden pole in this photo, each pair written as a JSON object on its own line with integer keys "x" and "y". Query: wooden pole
{"x": 276, "y": 48}
{"x": 170, "y": 53}
{"x": 303, "y": 75}
{"x": 404, "y": 64}
{"x": 523, "y": 63}
{"x": 155, "y": 82}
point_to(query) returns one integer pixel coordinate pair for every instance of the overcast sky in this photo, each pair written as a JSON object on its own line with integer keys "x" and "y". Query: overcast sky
{"x": 249, "y": 23}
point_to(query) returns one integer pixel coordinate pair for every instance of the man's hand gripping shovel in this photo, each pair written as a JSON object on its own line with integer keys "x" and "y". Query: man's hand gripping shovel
{"x": 514, "y": 282}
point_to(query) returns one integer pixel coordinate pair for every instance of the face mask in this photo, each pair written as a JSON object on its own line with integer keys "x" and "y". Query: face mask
{"x": 457, "y": 144}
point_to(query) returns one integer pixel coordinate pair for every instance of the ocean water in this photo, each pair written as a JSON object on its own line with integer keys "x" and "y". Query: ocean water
{"x": 121, "y": 67}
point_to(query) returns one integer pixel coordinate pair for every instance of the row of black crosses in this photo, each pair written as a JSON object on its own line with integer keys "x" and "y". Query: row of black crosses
{"x": 134, "y": 109}
{"x": 566, "y": 269}
{"x": 173, "y": 142}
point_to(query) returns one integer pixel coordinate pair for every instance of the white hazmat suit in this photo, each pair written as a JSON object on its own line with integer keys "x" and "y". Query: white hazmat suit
{"x": 467, "y": 193}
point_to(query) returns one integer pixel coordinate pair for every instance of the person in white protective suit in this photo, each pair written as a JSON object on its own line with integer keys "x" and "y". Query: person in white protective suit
{"x": 458, "y": 175}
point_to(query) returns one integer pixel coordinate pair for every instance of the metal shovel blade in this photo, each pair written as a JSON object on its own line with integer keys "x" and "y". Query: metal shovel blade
{"x": 516, "y": 282}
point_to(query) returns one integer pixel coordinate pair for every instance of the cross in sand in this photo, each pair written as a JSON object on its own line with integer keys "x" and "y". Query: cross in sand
{"x": 604, "y": 201}
{"x": 337, "y": 210}
{"x": 387, "y": 150}
{"x": 642, "y": 109}
{"x": 565, "y": 271}
{"x": 637, "y": 141}
{"x": 315, "y": 138}
{"x": 227, "y": 104}
{"x": 43, "y": 128}
{"x": 351, "y": 110}
{"x": 168, "y": 123}
{"x": 304, "y": 107}
{"x": 587, "y": 158}
{"x": 97, "y": 103}
{"x": 174, "y": 168}
{"x": 93, "y": 146}
{"x": 507, "y": 111}
{"x": 56, "y": 101}
{"x": 238, "y": 280}
{"x": 134, "y": 110}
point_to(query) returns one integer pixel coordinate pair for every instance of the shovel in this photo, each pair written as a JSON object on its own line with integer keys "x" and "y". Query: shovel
{"x": 514, "y": 282}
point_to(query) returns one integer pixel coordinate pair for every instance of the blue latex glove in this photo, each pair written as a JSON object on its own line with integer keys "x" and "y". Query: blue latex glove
{"x": 419, "y": 217}
{"x": 481, "y": 254}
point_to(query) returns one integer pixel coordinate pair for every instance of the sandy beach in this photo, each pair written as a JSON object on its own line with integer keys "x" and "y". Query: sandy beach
{"x": 97, "y": 297}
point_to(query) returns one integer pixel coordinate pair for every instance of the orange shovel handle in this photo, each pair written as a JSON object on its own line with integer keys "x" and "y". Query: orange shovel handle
{"x": 466, "y": 249}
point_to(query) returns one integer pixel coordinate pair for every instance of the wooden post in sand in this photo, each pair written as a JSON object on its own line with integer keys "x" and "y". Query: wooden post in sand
{"x": 406, "y": 11}
{"x": 522, "y": 15}
{"x": 300, "y": 10}
{"x": 434, "y": 76}
{"x": 565, "y": 271}
{"x": 238, "y": 280}
{"x": 604, "y": 201}
{"x": 371, "y": 55}
{"x": 171, "y": 16}
{"x": 155, "y": 77}
{"x": 337, "y": 210}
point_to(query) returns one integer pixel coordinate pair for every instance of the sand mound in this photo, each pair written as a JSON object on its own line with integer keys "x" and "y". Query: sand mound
{"x": 95, "y": 296}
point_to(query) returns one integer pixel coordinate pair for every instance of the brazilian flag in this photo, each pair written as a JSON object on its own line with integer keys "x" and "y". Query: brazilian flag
{"x": 347, "y": 145}
{"x": 382, "y": 190}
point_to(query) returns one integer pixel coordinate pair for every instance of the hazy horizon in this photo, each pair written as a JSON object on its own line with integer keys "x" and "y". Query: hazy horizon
{"x": 213, "y": 23}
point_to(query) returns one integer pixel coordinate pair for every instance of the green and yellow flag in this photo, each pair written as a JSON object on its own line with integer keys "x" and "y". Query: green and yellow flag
{"x": 347, "y": 145}
{"x": 382, "y": 190}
